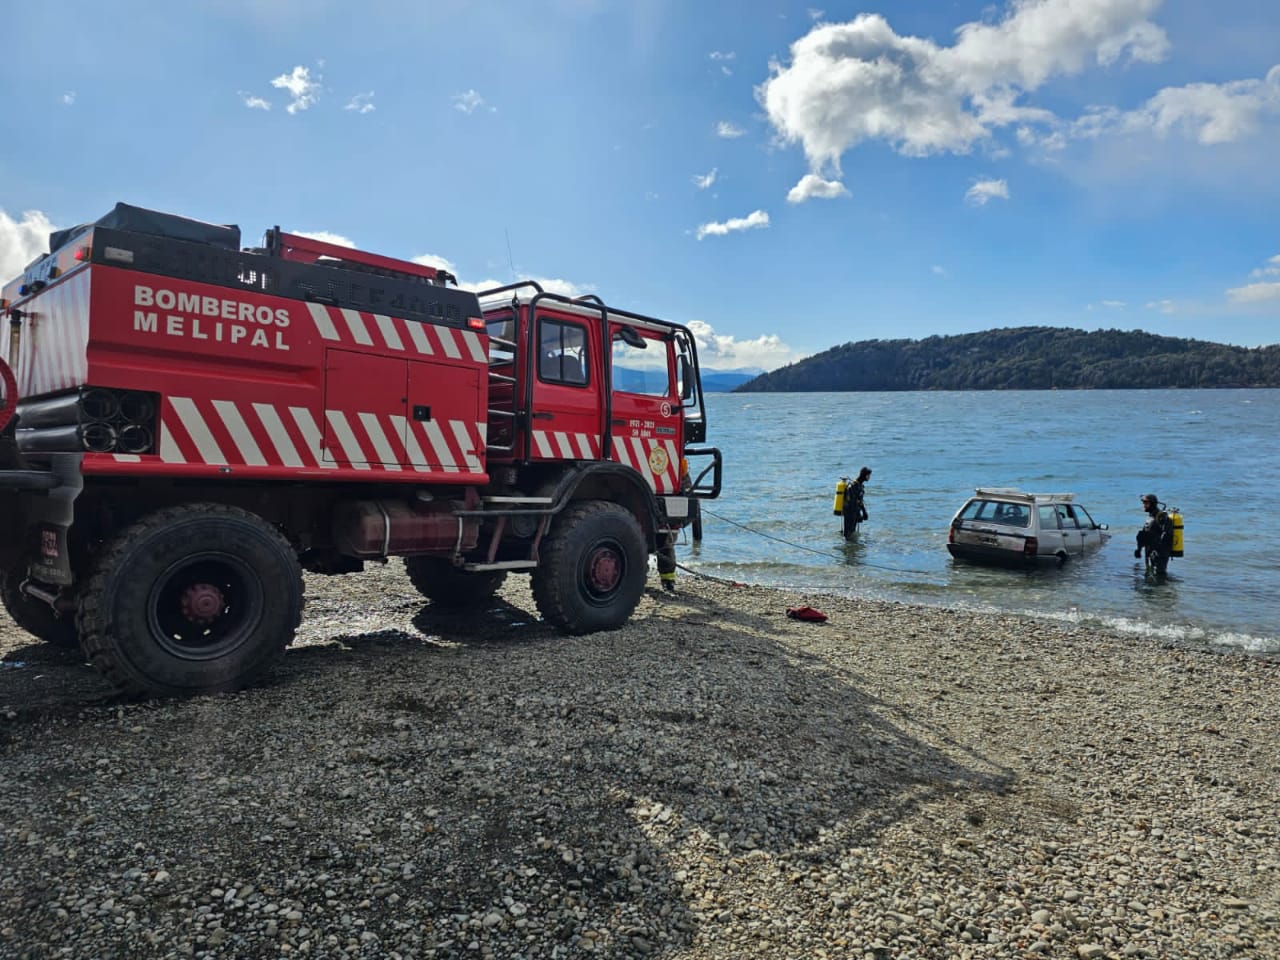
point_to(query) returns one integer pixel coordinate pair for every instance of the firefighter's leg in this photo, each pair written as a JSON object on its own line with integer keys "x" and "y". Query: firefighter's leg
{"x": 667, "y": 562}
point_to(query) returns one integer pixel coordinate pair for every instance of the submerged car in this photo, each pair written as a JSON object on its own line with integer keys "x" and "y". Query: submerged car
{"x": 1004, "y": 526}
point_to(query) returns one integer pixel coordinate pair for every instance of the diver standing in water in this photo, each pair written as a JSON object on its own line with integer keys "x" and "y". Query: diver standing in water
{"x": 1155, "y": 537}
{"x": 855, "y": 507}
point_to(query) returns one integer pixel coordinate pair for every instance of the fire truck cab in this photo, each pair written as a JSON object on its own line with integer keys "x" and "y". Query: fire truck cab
{"x": 188, "y": 425}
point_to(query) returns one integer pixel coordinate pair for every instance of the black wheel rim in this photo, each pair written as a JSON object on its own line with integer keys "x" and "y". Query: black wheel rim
{"x": 205, "y": 606}
{"x": 603, "y": 569}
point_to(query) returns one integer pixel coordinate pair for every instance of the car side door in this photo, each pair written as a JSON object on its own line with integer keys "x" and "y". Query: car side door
{"x": 1072, "y": 535}
{"x": 1050, "y": 535}
{"x": 1090, "y": 532}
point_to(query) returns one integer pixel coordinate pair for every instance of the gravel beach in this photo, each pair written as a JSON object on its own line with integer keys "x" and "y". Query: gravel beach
{"x": 714, "y": 780}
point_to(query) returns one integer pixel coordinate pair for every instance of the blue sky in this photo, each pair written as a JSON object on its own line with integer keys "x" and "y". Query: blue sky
{"x": 782, "y": 176}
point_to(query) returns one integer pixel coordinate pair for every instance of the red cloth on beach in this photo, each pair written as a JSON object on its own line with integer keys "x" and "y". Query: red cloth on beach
{"x": 806, "y": 613}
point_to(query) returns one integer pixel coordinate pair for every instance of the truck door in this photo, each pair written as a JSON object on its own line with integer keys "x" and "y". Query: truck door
{"x": 567, "y": 412}
{"x": 645, "y": 419}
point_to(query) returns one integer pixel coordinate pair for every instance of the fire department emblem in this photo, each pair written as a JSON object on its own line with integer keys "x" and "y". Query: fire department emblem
{"x": 658, "y": 461}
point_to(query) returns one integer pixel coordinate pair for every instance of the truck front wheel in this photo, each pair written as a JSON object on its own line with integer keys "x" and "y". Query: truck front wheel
{"x": 35, "y": 616}
{"x": 192, "y": 599}
{"x": 444, "y": 584}
{"x": 593, "y": 569}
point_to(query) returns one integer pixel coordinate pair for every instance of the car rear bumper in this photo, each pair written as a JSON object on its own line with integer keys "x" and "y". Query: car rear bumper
{"x": 997, "y": 557}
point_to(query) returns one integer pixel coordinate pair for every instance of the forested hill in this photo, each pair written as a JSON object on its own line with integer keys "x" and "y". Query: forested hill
{"x": 1027, "y": 358}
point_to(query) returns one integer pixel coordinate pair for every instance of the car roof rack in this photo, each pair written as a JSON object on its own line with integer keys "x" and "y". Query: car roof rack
{"x": 1013, "y": 493}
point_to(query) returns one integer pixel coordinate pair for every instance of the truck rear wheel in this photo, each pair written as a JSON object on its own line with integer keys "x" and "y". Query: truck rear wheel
{"x": 593, "y": 569}
{"x": 35, "y": 616}
{"x": 192, "y": 599}
{"x": 444, "y": 584}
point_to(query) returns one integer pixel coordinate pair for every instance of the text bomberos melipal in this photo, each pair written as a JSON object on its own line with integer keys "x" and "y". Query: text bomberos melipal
{"x": 215, "y": 319}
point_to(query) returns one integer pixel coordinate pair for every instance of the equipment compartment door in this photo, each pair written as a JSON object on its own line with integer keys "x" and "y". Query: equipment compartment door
{"x": 365, "y": 403}
{"x": 446, "y": 418}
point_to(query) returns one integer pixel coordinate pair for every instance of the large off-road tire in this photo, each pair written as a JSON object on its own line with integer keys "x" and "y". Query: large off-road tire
{"x": 193, "y": 599}
{"x": 35, "y": 616}
{"x": 445, "y": 585}
{"x": 594, "y": 564}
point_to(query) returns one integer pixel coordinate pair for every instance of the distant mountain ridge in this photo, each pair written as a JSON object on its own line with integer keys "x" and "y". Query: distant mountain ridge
{"x": 1027, "y": 358}
{"x": 723, "y": 381}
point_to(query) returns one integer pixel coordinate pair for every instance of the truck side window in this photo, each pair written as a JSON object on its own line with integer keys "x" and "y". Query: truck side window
{"x": 562, "y": 352}
{"x": 641, "y": 371}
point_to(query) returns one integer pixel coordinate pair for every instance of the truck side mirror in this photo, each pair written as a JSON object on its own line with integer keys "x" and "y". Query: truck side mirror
{"x": 686, "y": 378}
{"x": 630, "y": 336}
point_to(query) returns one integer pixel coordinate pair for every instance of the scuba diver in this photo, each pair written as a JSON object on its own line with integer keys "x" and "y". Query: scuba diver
{"x": 855, "y": 508}
{"x": 1156, "y": 536}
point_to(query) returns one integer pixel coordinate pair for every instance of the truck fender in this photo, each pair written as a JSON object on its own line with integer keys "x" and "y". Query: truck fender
{"x": 606, "y": 480}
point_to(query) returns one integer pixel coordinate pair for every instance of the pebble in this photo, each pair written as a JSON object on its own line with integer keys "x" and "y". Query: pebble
{"x": 711, "y": 781}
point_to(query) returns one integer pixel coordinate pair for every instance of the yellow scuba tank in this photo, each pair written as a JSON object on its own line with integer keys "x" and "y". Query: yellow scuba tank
{"x": 1176, "y": 518}
{"x": 837, "y": 508}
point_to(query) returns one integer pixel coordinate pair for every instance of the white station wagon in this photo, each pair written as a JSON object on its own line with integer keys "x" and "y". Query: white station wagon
{"x": 1001, "y": 525}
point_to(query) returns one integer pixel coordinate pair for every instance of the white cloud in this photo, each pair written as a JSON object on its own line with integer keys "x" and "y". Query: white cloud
{"x": 941, "y": 271}
{"x": 1271, "y": 270}
{"x": 728, "y": 130}
{"x": 361, "y": 103}
{"x": 717, "y": 55}
{"x": 1208, "y": 113}
{"x": 812, "y": 186}
{"x": 440, "y": 263}
{"x": 1254, "y": 293}
{"x": 254, "y": 102}
{"x": 21, "y": 241}
{"x": 299, "y": 85}
{"x": 324, "y": 236}
{"x": 1164, "y": 306}
{"x": 705, "y": 180}
{"x": 984, "y": 190}
{"x": 757, "y": 218}
{"x": 1114, "y": 304}
{"x": 566, "y": 288}
{"x": 815, "y": 13}
{"x": 69, "y": 97}
{"x": 468, "y": 102}
{"x": 856, "y": 81}
{"x": 725, "y": 352}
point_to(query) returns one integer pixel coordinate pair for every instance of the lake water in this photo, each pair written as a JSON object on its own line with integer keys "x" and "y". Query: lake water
{"x": 1215, "y": 454}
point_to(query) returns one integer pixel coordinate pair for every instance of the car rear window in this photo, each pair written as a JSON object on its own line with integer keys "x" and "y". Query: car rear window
{"x": 997, "y": 511}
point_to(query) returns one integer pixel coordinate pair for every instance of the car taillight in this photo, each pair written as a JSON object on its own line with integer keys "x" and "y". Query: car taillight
{"x": 951, "y": 535}
{"x": 1031, "y": 547}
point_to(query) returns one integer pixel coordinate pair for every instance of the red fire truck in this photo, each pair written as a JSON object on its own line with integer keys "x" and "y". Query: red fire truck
{"x": 188, "y": 425}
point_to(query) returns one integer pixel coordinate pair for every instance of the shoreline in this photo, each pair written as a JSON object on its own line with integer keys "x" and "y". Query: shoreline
{"x": 1186, "y": 635}
{"x": 713, "y": 780}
